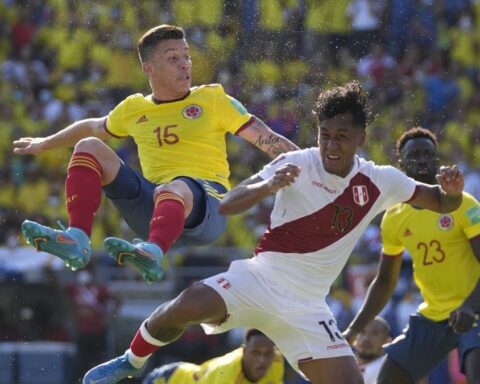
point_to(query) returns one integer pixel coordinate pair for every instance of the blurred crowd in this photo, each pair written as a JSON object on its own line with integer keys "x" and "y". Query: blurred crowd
{"x": 64, "y": 60}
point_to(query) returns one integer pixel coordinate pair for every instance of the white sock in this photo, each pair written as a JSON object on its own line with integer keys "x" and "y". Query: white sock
{"x": 139, "y": 361}
{"x": 135, "y": 360}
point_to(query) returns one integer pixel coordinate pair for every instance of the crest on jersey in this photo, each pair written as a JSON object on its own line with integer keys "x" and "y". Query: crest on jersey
{"x": 224, "y": 283}
{"x": 445, "y": 222}
{"x": 360, "y": 195}
{"x": 192, "y": 111}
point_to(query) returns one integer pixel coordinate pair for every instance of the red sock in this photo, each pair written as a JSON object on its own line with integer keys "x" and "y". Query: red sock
{"x": 83, "y": 188}
{"x": 167, "y": 221}
{"x": 143, "y": 344}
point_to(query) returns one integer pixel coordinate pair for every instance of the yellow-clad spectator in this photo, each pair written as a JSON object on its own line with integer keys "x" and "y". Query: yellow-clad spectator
{"x": 208, "y": 12}
{"x": 183, "y": 12}
{"x": 463, "y": 42}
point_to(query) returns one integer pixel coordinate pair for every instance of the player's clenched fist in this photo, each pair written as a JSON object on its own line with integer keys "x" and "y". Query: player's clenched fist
{"x": 284, "y": 176}
{"x": 451, "y": 180}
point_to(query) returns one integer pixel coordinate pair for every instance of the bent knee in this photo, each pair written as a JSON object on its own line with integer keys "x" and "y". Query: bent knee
{"x": 179, "y": 188}
{"x": 91, "y": 145}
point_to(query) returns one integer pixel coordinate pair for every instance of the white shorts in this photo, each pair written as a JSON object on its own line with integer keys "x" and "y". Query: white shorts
{"x": 302, "y": 330}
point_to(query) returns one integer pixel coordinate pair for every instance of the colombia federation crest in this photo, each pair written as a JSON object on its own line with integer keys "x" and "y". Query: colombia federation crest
{"x": 192, "y": 111}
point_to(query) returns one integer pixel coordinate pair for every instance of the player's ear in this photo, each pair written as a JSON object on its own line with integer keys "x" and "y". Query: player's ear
{"x": 363, "y": 137}
{"x": 147, "y": 67}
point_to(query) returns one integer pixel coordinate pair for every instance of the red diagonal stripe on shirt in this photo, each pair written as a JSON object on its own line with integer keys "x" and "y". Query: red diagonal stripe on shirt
{"x": 314, "y": 232}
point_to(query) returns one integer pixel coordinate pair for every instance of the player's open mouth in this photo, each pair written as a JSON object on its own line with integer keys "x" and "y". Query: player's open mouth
{"x": 331, "y": 157}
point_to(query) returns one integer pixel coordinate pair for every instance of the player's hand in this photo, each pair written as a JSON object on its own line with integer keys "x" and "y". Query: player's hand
{"x": 451, "y": 180}
{"x": 29, "y": 145}
{"x": 462, "y": 319}
{"x": 349, "y": 335}
{"x": 284, "y": 176}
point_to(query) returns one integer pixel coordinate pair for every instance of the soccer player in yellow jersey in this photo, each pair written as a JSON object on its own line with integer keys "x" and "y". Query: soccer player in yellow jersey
{"x": 257, "y": 361}
{"x": 180, "y": 135}
{"x": 445, "y": 250}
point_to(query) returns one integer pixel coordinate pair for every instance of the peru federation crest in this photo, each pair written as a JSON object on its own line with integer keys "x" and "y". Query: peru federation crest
{"x": 360, "y": 195}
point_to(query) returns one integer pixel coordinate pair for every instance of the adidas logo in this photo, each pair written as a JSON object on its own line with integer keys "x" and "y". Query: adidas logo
{"x": 142, "y": 119}
{"x": 407, "y": 233}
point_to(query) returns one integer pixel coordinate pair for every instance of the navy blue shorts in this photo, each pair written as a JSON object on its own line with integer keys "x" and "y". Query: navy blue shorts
{"x": 164, "y": 372}
{"x": 132, "y": 195}
{"x": 425, "y": 343}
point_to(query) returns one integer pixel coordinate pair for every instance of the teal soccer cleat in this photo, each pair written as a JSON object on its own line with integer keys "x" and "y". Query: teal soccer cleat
{"x": 72, "y": 245}
{"x": 145, "y": 256}
{"x": 112, "y": 371}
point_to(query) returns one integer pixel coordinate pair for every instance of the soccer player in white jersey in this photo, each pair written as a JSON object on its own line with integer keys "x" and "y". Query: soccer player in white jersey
{"x": 325, "y": 198}
{"x": 369, "y": 350}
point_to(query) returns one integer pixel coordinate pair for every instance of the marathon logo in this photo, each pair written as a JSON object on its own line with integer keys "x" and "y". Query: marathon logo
{"x": 338, "y": 346}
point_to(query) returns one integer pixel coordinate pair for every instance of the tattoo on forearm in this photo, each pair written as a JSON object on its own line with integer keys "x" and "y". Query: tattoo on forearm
{"x": 269, "y": 140}
{"x": 274, "y": 145}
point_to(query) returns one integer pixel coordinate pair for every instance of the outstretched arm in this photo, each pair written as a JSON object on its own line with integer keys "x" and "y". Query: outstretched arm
{"x": 378, "y": 295}
{"x": 270, "y": 142}
{"x": 67, "y": 137}
{"x": 253, "y": 190}
{"x": 445, "y": 197}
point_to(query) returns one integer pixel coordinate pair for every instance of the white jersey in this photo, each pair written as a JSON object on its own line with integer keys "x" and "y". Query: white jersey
{"x": 371, "y": 370}
{"x": 316, "y": 221}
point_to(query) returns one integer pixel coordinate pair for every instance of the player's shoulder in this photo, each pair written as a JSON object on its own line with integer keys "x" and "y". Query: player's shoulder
{"x": 213, "y": 89}
{"x": 384, "y": 176}
{"x": 311, "y": 154}
{"x": 136, "y": 100}
{"x": 371, "y": 166}
{"x": 470, "y": 206}
{"x": 227, "y": 359}
{"x": 301, "y": 157}
{"x": 468, "y": 199}
{"x": 394, "y": 211}
{"x": 136, "y": 97}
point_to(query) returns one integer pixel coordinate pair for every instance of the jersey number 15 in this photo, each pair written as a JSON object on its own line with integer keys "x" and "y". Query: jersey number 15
{"x": 164, "y": 135}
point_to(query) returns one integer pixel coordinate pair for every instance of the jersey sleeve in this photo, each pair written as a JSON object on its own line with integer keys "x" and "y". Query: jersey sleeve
{"x": 391, "y": 244}
{"x": 115, "y": 124}
{"x": 469, "y": 217}
{"x": 232, "y": 116}
{"x": 397, "y": 186}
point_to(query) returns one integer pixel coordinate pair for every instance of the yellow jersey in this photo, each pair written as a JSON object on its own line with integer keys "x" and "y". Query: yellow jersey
{"x": 225, "y": 369}
{"x": 184, "y": 137}
{"x": 444, "y": 265}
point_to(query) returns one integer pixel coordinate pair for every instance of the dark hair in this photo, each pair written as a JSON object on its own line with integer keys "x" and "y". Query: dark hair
{"x": 385, "y": 325}
{"x": 349, "y": 97}
{"x": 154, "y": 36}
{"x": 414, "y": 133}
{"x": 252, "y": 332}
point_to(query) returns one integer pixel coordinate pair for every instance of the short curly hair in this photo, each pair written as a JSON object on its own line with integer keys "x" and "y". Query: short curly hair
{"x": 414, "y": 133}
{"x": 349, "y": 97}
